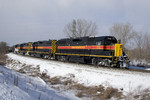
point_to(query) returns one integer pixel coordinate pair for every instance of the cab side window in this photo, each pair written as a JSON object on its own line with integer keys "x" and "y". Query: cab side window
{"x": 99, "y": 43}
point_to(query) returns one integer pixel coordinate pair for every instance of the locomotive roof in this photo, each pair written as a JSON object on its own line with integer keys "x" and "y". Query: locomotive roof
{"x": 103, "y": 37}
{"x": 87, "y": 37}
{"x": 45, "y": 41}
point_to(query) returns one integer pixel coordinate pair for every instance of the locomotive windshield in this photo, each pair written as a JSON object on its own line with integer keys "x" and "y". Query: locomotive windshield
{"x": 110, "y": 41}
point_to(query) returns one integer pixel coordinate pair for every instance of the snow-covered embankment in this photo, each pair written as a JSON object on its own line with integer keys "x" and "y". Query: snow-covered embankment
{"x": 89, "y": 76}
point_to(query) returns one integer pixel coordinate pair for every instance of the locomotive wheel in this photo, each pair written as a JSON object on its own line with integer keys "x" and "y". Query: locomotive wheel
{"x": 87, "y": 61}
{"x": 62, "y": 58}
{"x": 95, "y": 61}
{"x": 65, "y": 58}
{"x": 23, "y": 53}
{"x": 107, "y": 63}
{"x": 58, "y": 58}
{"x": 41, "y": 56}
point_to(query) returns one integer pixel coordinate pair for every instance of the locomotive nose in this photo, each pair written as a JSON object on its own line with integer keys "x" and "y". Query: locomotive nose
{"x": 123, "y": 61}
{"x": 118, "y": 50}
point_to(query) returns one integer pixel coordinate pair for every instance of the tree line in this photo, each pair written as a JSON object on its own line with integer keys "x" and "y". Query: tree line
{"x": 136, "y": 44}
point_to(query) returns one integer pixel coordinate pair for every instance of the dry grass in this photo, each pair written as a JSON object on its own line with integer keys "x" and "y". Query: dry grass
{"x": 96, "y": 92}
{"x": 55, "y": 80}
{"x": 67, "y": 82}
{"x": 23, "y": 68}
{"x": 31, "y": 71}
{"x": 138, "y": 94}
{"x": 3, "y": 58}
{"x": 112, "y": 92}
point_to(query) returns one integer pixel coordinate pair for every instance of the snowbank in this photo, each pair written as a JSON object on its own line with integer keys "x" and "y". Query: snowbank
{"x": 16, "y": 86}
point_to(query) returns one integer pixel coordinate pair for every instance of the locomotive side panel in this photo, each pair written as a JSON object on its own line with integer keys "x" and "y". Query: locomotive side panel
{"x": 86, "y": 48}
{"x": 40, "y": 48}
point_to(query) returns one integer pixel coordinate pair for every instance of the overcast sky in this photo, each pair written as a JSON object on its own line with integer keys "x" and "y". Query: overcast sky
{"x": 33, "y": 20}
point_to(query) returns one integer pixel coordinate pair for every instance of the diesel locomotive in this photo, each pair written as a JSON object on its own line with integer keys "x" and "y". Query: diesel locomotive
{"x": 102, "y": 51}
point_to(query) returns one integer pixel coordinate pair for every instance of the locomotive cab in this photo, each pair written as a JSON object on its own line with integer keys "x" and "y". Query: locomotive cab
{"x": 119, "y": 58}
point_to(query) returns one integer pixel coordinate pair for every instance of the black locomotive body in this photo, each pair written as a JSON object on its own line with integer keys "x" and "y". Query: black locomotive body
{"x": 40, "y": 48}
{"x": 21, "y": 48}
{"x": 86, "y": 48}
{"x": 88, "y": 45}
{"x": 103, "y": 51}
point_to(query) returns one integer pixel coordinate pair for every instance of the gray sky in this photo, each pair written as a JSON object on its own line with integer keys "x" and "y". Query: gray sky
{"x": 33, "y": 20}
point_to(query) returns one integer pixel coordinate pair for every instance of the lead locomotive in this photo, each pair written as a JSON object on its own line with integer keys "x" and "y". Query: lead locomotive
{"x": 103, "y": 51}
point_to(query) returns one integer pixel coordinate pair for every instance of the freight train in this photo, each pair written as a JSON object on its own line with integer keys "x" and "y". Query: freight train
{"x": 102, "y": 51}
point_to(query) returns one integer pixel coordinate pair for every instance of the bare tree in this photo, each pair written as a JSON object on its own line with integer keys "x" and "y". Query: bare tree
{"x": 146, "y": 47}
{"x": 3, "y": 47}
{"x": 123, "y": 32}
{"x": 139, "y": 42}
{"x": 3, "y": 51}
{"x": 142, "y": 47}
{"x": 80, "y": 28}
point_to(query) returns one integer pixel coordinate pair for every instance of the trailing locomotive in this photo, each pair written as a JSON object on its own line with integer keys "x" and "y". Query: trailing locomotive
{"x": 103, "y": 51}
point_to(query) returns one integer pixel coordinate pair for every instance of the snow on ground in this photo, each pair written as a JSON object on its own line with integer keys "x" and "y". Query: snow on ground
{"x": 138, "y": 67}
{"x": 140, "y": 63}
{"x": 16, "y": 86}
{"x": 89, "y": 76}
